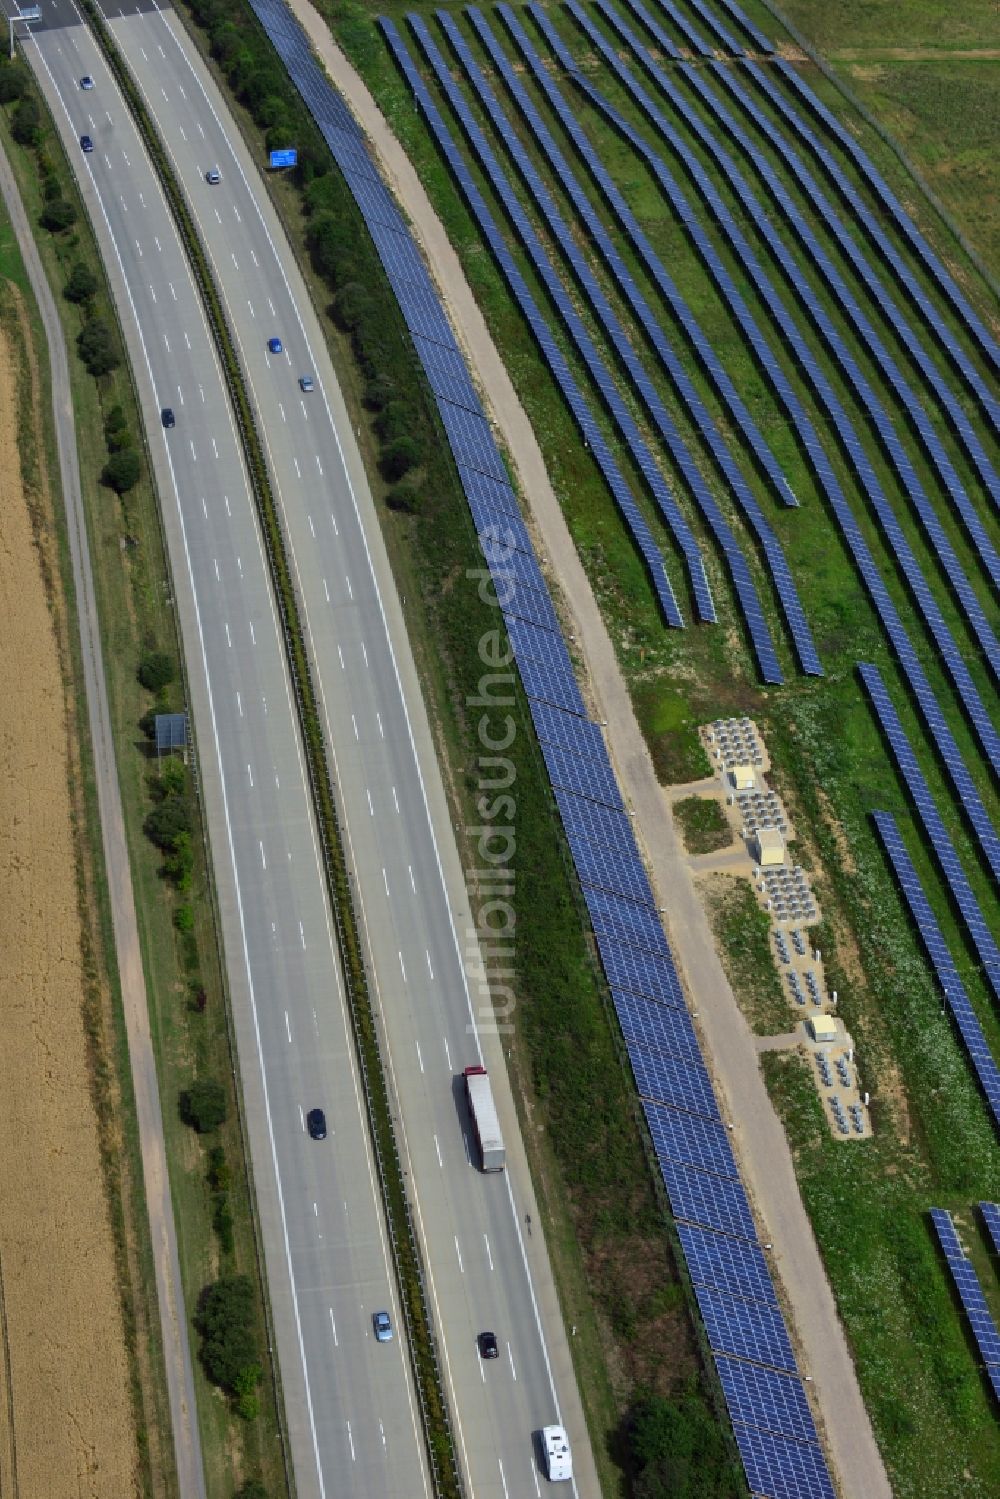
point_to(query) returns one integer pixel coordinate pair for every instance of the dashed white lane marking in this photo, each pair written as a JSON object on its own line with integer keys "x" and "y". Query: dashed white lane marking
{"x": 282, "y": 410}
{"x": 511, "y": 1357}
{"x": 253, "y": 637}
{"x": 215, "y": 447}
{"x": 312, "y": 528}
{"x": 235, "y": 261}
{"x": 226, "y": 501}
{"x": 326, "y": 590}
{"x": 459, "y": 1253}
{"x": 167, "y": 342}
{"x": 382, "y": 1430}
{"x": 204, "y": 506}
{"x": 447, "y": 1054}
{"x": 340, "y": 654}
{"x": 239, "y": 704}
{"x": 252, "y": 313}
{"x": 156, "y": 242}
{"x": 378, "y": 720}
{"x": 419, "y": 1056}
{"x": 333, "y": 1329}
{"x": 139, "y": 248}
{"x": 288, "y": 1028}
{"x": 297, "y": 469}
{"x": 302, "y": 932}
{"x": 350, "y": 591}
{"x": 319, "y": 465}
{"x": 437, "y": 1147}
{"x": 430, "y": 970}
{"x": 351, "y": 1441}
{"x": 237, "y": 213}
{"x": 364, "y": 650}
{"x": 188, "y": 342}
{"x": 354, "y": 721}
{"x": 385, "y": 880}
{"x": 402, "y": 965}
{"x": 333, "y": 518}
{"x": 254, "y": 258}
{"x": 172, "y": 292}
{"x": 250, "y": 775}
{"x": 371, "y": 809}
{"x": 229, "y": 638}
{"x": 413, "y": 886}
{"x": 263, "y": 860}
{"x": 488, "y": 1254}
{"x": 395, "y": 799}
{"x": 216, "y": 561}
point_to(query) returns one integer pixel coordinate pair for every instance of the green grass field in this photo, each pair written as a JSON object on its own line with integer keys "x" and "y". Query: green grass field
{"x": 934, "y": 1141}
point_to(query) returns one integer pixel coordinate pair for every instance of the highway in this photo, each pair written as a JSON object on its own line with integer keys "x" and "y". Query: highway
{"x": 350, "y": 1405}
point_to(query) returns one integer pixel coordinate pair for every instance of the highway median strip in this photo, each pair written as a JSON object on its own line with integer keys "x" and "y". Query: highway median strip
{"x": 406, "y": 1255}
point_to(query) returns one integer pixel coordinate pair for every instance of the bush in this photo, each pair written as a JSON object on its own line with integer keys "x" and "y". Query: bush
{"x": 204, "y": 1106}
{"x": 225, "y": 1319}
{"x": 122, "y": 471}
{"x": 13, "y": 83}
{"x": 184, "y": 915}
{"x": 56, "y": 216}
{"x": 167, "y": 822}
{"x": 147, "y": 723}
{"x": 379, "y": 391}
{"x": 394, "y": 421}
{"x": 27, "y": 122}
{"x": 96, "y": 344}
{"x": 251, "y": 1488}
{"x": 172, "y": 780}
{"x": 156, "y": 670}
{"x": 400, "y": 456}
{"x": 678, "y": 1451}
{"x": 406, "y": 495}
{"x": 178, "y": 866}
{"x": 217, "y": 1174}
{"x": 222, "y": 1222}
{"x": 80, "y": 287}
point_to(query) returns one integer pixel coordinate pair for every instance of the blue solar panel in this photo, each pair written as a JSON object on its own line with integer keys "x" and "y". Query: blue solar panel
{"x": 944, "y": 965}
{"x": 991, "y": 1217}
{"x": 555, "y": 686}
{"x": 677, "y": 447}
{"x": 597, "y": 822}
{"x": 637, "y": 926}
{"x": 601, "y": 868}
{"x": 746, "y": 1329}
{"x": 667, "y": 1078}
{"x": 585, "y": 777}
{"x": 758, "y": 38}
{"x": 566, "y": 730}
{"x": 944, "y": 850}
{"x": 500, "y": 529}
{"x": 657, "y": 1027}
{"x": 715, "y": 1259}
{"x": 689, "y": 1139}
{"x": 482, "y": 490}
{"x": 949, "y": 404}
{"x": 710, "y": 1201}
{"x": 783, "y": 1469}
{"x": 639, "y": 972}
{"x": 849, "y": 439}
{"x": 969, "y": 1290}
{"x": 775, "y": 1402}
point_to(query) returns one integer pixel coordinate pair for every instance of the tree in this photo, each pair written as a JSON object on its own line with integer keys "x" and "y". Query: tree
{"x": 399, "y": 457}
{"x": 204, "y": 1106}
{"x": 225, "y": 1319}
{"x": 156, "y": 670}
{"x": 56, "y": 216}
{"x": 80, "y": 287}
{"x": 168, "y": 822}
{"x": 96, "y": 344}
{"x": 12, "y": 83}
{"x": 27, "y": 121}
{"x": 379, "y": 391}
{"x": 395, "y": 420}
{"x": 353, "y": 304}
{"x": 122, "y": 470}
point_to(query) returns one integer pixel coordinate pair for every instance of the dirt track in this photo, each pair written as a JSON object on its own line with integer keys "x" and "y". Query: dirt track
{"x": 64, "y": 1378}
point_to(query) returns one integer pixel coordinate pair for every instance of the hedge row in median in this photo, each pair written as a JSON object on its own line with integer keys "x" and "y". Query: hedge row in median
{"x": 437, "y": 1428}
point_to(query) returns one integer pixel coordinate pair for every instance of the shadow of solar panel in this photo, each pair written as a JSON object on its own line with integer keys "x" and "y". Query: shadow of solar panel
{"x": 745, "y": 1329}
{"x": 639, "y": 972}
{"x": 760, "y": 1397}
{"x": 715, "y": 1259}
{"x": 991, "y": 1217}
{"x": 657, "y": 1027}
{"x": 690, "y": 1139}
{"x": 635, "y": 925}
{"x": 783, "y": 1469}
{"x": 601, "y": 868}
{"x": 556, "y": 687}
{"x": 709, "y": 1201}
{"x": 570, "y": 732}
{"x": 585, "y": 777}
{"x": 666, "y": 1078}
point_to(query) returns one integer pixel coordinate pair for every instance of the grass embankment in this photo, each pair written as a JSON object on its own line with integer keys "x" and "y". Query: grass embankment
{"x": 189, "y": 1034}
{"x": 832, "y": 768}
{"x": 703, "y": 824}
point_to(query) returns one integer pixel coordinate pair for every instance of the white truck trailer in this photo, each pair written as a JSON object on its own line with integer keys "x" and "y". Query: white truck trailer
{"x": 484, "y": 1119}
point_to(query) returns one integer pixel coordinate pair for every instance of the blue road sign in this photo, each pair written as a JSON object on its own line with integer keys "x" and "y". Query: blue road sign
{"x": 287, "y": 158}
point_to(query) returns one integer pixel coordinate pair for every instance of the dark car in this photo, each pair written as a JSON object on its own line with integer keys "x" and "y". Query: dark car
{"x": 488, "y": 1346}
{"x": 382, "y": 1326}
{"x": 167, "y": 417}
{"x": 306, "y": 383}
{"x": 86, "y": 144}
{"x": 274, "y": 344}
{"x": 316, "y": 1124}
{"x": 86, "y": 82}
{"x": 214, "y": 176}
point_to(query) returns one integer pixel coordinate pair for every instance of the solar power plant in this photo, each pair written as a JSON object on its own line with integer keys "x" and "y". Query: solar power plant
{"x": 697, "y": 339}
{"x": 782, "y": 1469}
{"x": 689, "y": 1139}
{"x": 658, "y": 1027}
{"x": 763, "y": 1397}
{"x": 666, "y": 1077}
{"x": 970, "y": 1292}
{"x": 567, "y": 731}
{"x": 822, "y": 467}
{"x": 991, "y": 1217}
{"x": 716, "y": 1259}
{"x": 759, "y": 40}
{"x": 587, "y": 778}
{"x": 732, "y": 475}
{"x": 942, "y": 961}
{"x": 601, "y": 823}
{"x": 745, "y": 1329}
{"x": 613, "y": 916}
{"x": 949, "y": 403}
{"x": 742, "y": 581}
{"x": 715, "y": 26}
{"x": 987, "y": 344}
{"x": 857, "y": 456}
{"x": 691, "y": 35}
{"x": 571, "y": 391}
{"x": 707, "y": 1200}
{"x": 944, "y": 849}
{"x": 639, "y": 972}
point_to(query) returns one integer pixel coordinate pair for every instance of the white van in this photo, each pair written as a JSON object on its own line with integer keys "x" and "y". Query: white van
{"x": 558, "y": 1458}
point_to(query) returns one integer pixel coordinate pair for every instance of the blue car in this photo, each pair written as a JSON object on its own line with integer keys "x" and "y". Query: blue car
{"x": 274, "y": 345}
{"x": 87, "y": 82}
{"x": 382, "y": 1326}
{"x": 86, "y": 144}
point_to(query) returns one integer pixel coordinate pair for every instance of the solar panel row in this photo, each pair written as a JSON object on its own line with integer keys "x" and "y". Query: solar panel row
{"x": 991, "y": 1217}
{"x": 715, "y": 26}
{"x": 715, "y": 1220}
{"x": 696, "y": 337}
{"x": 585, "y": 215}
{"x": 852, "y": 445}
{"x": 932, "y": 265}
{"x": 571, "y": 391}
{"x": 690, "y": 33}
{"x": 970, "y": 1292}
{"x": 758, "y": 38}
{"x": 928, "y": 368}
{"x": 942, "y": 961}
{"x": 944, "y": 850}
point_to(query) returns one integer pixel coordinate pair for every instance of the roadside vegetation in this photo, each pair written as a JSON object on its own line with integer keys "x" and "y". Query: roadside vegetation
{"x": 170, "y": 873}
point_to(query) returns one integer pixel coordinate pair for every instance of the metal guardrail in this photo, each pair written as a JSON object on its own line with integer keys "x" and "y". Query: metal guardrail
{"x": 407, "y": 1260}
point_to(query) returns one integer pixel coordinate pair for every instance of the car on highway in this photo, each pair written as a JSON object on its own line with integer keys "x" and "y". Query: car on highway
{"x": 306, "y": 383}
{"x": 488, "y": 1345}
{"x": 214, "y": 176}
{"x": 86, "y": 82}
{"x": 316, "y": 1124}
{"x": 383, "y": 1327}
{"x": 167, "y": 417}
{"x": 274, "y": 345}
{"x": 86, "y": 144}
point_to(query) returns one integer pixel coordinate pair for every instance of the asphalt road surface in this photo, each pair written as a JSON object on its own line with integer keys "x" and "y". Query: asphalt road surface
{"x": 349, "y": 1401}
